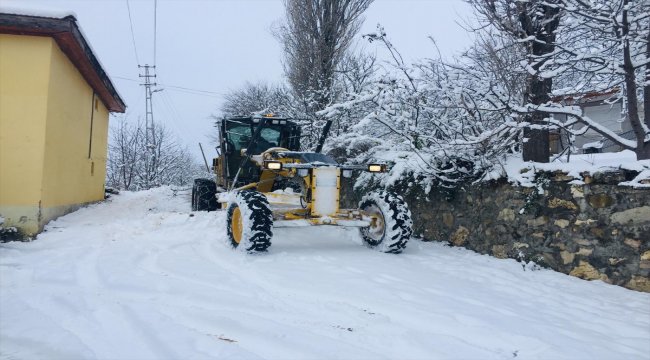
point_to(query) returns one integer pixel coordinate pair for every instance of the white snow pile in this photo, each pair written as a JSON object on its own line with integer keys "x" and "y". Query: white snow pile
{"x": 140, "y": 277}
{"x": 523, "y": 173}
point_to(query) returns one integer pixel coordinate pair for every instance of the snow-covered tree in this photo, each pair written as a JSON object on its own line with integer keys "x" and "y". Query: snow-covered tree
{"x": 596, "y": 45}
{"x": 123, "y": 147}
{"x": 534, "y": 24}
{"x": 499, "y": 59}
{"x": 605, "y": 44}
{"x": 135, "y": 164}
{"x": 355, "y": 72}
{"x": 316, "y": 36}
{"x": 259, "y": 97}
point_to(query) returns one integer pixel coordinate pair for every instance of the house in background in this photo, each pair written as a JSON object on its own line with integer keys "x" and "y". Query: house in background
{"x": 597, "y": 106}
{"x": 55, "y": 100}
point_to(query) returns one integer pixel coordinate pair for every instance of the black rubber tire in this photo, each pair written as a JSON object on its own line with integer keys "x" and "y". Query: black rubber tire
{"x": 204, "y": 195}
{"x": 397, "y": 223}
{"x": 194, "y": 204}
{"x": 256, "y": 218}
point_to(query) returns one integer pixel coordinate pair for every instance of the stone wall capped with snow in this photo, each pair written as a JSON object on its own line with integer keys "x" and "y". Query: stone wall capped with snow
{"x": 598, "y": 230}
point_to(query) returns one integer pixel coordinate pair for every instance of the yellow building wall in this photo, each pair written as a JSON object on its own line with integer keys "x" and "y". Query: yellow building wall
{"x": 24, "y": 84}
{"x": 54, "y": 159}
{"x": 75, "y": 142}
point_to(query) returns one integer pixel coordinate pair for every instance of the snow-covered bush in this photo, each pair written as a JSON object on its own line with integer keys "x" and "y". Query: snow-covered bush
{"x": 446, "y": 123}
{"x": 428, "y": 120}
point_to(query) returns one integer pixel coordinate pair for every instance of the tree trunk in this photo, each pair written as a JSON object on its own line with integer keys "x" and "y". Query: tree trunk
{"x": 642, "y": 147}
{"x": 646, "y": 88}
{"x": 644, "y": 152}
{"x": 536, "y": 146}
{"x": 323, "y": 136}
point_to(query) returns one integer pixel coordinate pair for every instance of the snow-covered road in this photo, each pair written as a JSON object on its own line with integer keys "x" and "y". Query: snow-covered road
{"x": 140, "y": 277}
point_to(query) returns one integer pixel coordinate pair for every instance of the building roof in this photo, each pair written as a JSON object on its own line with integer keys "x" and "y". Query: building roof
{"x": 70, "y": 39}
{"x": 588, "y": 97}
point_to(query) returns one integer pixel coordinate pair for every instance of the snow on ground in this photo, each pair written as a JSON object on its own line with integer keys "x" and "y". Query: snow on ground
{"x": 140, "y": 277}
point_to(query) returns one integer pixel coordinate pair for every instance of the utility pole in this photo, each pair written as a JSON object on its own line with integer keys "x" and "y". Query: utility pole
{"x": 150, "y": 134}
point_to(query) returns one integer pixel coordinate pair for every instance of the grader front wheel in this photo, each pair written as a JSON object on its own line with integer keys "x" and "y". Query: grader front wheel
{"x": 237, "y": 226}
{"x": 390, "y": 222}
{"x": 250, "y": 222}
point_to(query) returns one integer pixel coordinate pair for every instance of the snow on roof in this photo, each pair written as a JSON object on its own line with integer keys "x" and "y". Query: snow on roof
{"x": 30, "y": 10}
{"x": 587, "y": 96}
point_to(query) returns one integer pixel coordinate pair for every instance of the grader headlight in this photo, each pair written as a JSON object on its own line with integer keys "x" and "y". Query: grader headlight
{"x": 377, "y": 168}
{"x": 273, "y": 165}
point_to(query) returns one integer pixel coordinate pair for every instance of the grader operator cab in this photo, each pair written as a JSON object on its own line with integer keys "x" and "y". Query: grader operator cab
{"x": 264, "y": 181}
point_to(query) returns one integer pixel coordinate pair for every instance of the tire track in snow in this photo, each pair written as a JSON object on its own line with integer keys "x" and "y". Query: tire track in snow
{"x": 232, "y": 267}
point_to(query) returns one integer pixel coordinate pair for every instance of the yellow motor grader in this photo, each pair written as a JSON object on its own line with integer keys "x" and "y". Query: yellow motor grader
{"x": 264, "y": 182}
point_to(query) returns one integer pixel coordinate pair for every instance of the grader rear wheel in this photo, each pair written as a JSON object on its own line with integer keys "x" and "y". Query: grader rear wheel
{"x": 390, "y": 227}
{"x": 204, "y": 195}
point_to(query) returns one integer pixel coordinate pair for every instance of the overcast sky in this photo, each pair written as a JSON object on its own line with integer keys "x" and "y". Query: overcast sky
{"x": 214, "y": 46}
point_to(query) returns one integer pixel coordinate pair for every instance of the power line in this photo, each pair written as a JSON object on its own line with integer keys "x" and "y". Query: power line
{"x": 179, "y": 88}
{"x": 174, "y": 116}
{"x": 125, "y": 78}
{"x": 192, "y": 91}
{"x": 135, "y": 49}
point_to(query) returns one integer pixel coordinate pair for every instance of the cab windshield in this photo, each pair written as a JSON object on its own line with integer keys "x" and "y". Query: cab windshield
{"x": 239, "y": 137}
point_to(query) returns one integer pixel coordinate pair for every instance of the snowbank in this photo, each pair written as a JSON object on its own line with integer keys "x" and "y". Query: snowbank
{"x": 523, "y": 173}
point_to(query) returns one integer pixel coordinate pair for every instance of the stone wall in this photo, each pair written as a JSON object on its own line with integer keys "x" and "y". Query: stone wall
{"x": 598, "y": 230}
